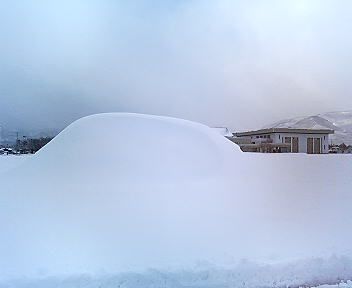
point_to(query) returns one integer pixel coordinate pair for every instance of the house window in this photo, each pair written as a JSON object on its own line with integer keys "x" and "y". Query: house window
{"x": 288, "y": 140}
{"x": 279, "y": 137}
{"x": 314, "y": 145}
{"x": 295, "y": 145}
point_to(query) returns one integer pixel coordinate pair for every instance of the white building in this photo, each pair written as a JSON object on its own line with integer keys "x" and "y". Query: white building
{"x": 285, "y": 140}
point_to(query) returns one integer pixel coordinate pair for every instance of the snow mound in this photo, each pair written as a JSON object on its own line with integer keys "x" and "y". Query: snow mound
{"x": 124, "y": 193}
{"x": 129, "y": 145}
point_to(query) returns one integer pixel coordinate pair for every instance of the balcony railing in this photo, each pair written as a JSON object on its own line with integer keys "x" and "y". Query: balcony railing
{"x": 263, "y": 140}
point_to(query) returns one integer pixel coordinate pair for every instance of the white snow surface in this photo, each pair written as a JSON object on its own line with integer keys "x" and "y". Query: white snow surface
{"x": 175, "y": 205}
{"x": 8, "y": 162}
{"x": 340, "y": 122}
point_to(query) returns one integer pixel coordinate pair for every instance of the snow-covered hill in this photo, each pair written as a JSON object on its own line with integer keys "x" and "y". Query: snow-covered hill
{"x": 174, "y": 204}
{"x": 341, "y": 122}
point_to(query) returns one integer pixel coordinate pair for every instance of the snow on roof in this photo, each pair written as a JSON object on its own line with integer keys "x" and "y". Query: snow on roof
{"x": 285, "y": 130}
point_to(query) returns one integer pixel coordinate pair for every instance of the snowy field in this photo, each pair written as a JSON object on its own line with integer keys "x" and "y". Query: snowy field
{"x": 165, "y": 202}
{"x": 9, "y": 162}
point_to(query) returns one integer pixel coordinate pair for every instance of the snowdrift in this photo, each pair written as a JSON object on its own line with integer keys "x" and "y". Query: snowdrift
{"x": 115, "y": 194}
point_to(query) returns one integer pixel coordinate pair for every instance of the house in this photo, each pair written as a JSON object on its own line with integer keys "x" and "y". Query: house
{"x": 284, "y": 140}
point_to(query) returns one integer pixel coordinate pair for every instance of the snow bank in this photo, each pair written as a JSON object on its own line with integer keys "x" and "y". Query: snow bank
{"x": 118, "y": 193}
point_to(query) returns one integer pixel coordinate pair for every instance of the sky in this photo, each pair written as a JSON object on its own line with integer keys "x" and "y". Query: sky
{"x": 240, "y": 64}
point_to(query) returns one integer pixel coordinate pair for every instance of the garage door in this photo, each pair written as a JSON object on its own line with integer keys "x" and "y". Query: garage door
{"x": 317, "y": 146}
{"x": 310, "y": 145}
{"x": 288, "y": 140}
{"x": 295, "y": 145}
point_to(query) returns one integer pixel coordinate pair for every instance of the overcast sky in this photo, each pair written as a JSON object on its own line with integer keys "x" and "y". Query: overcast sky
{"x": 241, "y": 64}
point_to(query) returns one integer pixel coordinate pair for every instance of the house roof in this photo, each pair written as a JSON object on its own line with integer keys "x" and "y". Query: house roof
{"x": 285, "y": 130}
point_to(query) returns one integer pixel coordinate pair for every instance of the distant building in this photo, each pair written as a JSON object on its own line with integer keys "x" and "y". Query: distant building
{"x": 284, "y": 140}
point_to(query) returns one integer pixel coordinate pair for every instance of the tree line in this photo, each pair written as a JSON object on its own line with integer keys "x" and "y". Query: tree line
{"x": 31, "y": 145}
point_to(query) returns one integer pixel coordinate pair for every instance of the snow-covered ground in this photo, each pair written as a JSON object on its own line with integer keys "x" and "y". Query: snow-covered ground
{"x": 341, "y": 285}
{"x": 9, "y": 162}
{"x": 174, "y": 204}
{"x": 246, "y": 274}
{"x": 347, "y": 284}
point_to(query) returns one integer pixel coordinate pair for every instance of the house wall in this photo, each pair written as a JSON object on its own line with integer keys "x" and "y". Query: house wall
{"x": 277, "y": 138}
{"x": 302, "y": 139}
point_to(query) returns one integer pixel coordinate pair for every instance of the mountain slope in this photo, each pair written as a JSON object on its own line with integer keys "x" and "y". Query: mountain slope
{"x": 341, "y": 122}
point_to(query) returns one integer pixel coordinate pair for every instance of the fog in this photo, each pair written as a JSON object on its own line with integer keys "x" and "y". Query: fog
{"x": 241, "y": 64}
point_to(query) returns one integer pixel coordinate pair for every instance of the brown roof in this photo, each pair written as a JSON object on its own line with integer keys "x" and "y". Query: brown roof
{"x": 285, "y": 130}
